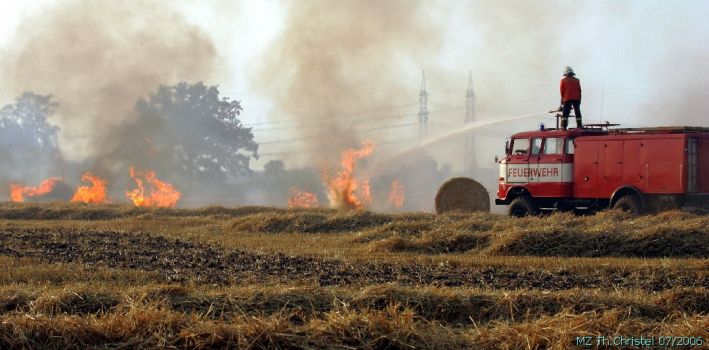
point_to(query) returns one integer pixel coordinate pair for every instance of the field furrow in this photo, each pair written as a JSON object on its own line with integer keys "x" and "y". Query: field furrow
{"x": 79, "y": 277}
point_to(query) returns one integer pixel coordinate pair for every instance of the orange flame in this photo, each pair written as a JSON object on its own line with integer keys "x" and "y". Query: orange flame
{"x": 96, "y": 193}
{"x": 344, "y": 189}
{"x": 18, "y": 192}
{"x": 396, "y": 195}
{"x": 302, "y": 199}
{"x": 159, "y": 194}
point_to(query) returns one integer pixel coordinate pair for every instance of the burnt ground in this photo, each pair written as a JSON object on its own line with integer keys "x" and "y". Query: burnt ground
{"x": 187, "y": 262}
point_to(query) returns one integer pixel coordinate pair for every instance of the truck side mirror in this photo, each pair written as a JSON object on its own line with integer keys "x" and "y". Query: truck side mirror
{"x": 497, "y": 160}
{"x": 507, "y": 146}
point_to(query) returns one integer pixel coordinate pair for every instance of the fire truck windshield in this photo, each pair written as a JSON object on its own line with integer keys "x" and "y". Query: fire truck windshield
{"x": 520, "y": 146}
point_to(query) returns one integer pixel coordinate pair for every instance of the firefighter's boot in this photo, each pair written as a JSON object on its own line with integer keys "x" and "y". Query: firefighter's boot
{"x": 564, "y": 122}
{"x": 579, "y": 124}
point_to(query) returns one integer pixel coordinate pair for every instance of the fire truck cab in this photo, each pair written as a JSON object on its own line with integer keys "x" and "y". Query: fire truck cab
{"x": 597, "y": 167}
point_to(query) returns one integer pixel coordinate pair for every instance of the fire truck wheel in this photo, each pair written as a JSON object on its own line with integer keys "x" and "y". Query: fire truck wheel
{"x": 630, "y": 204}
{"x": 523, "y": 206}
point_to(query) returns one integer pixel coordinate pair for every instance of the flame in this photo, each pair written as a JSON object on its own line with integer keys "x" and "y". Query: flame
{"x": 18, "y": 192}
{"x": 396, "y": 194}
{"x": 96, "y": 193}
{"x": 158, "y": 194}
{"x": 302, "y": 199}
{"x": 344, "y": 189}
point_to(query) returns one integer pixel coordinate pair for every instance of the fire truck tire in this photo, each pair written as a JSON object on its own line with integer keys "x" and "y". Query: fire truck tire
{"x": 523, "y": 206}
{"x": 630, "y": 204}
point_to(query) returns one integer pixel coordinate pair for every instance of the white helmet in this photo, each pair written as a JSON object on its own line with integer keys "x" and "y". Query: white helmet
{"x": 568, "y": 70}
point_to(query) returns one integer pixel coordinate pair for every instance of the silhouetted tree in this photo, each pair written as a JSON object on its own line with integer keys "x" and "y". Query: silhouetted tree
{"x": 25, "y": 122}
{"x": 274, "y": 168}
{"x": 28, "y": 143}
{"x": 188, "y": 129}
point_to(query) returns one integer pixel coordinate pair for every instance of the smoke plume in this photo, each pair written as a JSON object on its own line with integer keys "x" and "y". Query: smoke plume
{"x": 98, "y": 58}
{"x": 335, "y": 58}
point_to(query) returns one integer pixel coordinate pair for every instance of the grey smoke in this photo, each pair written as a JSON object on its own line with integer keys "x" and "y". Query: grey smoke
{"x": 333, "y": 58}
{"x": 97, "y": 58}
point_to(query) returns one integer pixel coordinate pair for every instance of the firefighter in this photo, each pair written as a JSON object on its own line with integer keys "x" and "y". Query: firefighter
{"x": 570, "y": 97}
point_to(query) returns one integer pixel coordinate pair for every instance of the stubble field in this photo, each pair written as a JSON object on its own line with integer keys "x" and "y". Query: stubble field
{"x": 76, "y": 276}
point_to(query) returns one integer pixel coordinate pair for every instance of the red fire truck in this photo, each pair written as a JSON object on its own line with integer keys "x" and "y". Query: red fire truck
{"x": 599, "y": 166}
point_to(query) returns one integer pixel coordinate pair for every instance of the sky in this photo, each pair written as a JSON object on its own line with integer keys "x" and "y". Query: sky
{"x": 641, "y": 63}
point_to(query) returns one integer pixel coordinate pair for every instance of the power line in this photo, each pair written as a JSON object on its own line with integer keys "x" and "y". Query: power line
{"x": 368, "y": 130}
{"x": 311, "y": 137}
{"x": 397, "y": 116}
{"x": 308, "y": 125}
{"x": 386, "y": 127}
{"x": 364, "y": 111}
{"x": 313, "y": 149}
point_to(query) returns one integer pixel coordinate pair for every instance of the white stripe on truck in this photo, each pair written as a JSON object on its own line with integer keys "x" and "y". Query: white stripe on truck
{"x": 536, "y": 172}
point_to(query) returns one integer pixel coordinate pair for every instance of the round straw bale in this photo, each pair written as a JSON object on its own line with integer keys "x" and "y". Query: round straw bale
{"x": 462, "y": 194}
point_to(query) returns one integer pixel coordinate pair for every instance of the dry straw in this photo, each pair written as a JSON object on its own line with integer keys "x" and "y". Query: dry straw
{"x": 462, "y": 194}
